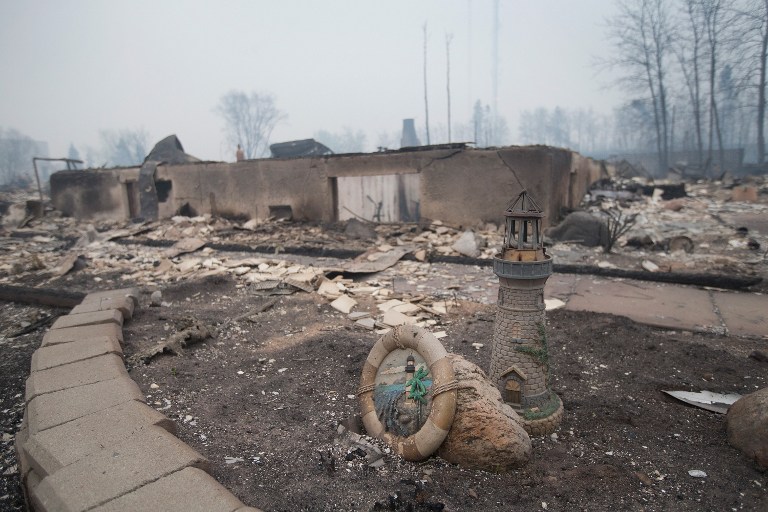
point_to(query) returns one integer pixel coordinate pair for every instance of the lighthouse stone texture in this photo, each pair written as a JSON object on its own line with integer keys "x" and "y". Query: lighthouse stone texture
{"x": 520, "y": 359}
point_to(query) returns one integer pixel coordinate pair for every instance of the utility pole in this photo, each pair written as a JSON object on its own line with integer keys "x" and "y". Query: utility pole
{"x": 426, "y": 99}
{"x": 448, "y": 38}
{"x": 495, "y": 64}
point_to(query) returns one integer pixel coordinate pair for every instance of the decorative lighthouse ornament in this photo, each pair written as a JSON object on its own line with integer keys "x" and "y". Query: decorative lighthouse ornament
{"x": 520, "y": 359}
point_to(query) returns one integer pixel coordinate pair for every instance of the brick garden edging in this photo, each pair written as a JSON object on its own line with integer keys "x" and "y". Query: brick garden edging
{"x": 89, "y": 441}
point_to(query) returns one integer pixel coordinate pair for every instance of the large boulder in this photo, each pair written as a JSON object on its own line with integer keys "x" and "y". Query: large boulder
{"x": 486, "y": 433}
{"x": 581, "y": 227}
{"x": 748, "y": 426}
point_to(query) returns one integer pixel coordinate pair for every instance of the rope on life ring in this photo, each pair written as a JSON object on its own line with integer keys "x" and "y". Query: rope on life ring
{"x": 423, "y": 443}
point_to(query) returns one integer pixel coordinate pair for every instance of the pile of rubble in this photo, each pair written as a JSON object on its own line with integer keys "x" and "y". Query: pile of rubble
{"x": 712, "y": 228}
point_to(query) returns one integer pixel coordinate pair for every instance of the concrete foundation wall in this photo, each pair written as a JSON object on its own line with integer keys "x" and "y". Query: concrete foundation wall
{"x": 463, "y": 187}
{"x": 249, "y": 188}
{"x": 93, "y": 194}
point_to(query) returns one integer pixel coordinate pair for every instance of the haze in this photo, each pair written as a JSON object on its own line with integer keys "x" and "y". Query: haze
{"x": 71, "y": 69}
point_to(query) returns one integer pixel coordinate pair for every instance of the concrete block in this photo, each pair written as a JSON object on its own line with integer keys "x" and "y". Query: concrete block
{"x": 111, "y": 316}
{"x": 70, "y": 334}
{"x": 188, "y": 490}
{"x": 132, "y": 293}
{"x": 57, "y": 355}
{"x": 123, "y": 304}
{"x": 57, "y": 447}
{"x": 96, "y": 369}
{"x": 28, "y": 485}
{"x": 52, "y": 409}
{"x": 117, "y": 470}
{"x": 22, "y": 458}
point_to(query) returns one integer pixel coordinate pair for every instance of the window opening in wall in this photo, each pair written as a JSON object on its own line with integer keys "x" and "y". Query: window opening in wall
{"x": 163, "y": 188}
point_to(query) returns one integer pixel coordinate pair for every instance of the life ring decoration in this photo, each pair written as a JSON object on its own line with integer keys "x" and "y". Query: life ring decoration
{"x": 407, "y": 393}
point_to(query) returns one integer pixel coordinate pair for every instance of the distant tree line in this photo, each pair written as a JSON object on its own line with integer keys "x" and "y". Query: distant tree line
{"x": 696, "y": 72}
{"x": 695, "y": 75}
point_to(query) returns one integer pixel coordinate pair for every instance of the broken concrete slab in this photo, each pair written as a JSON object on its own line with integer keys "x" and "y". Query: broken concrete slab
{"x": 344, "y": 303}
{"x": 560, "y": 286}
{"x": 72, "y": 375}
{"x": 57, "y": 355}
{"x": 744, "y": 314}
{"x": 188, "y": 490}
{"x": 367, "y": 323}
{"x": 657, "y": 304}
{"x": 86, "y": 332}
{"x": 52, "y": 409}
{"x": 57, "y": 447}
{"x": 382, "y": 262}
{"x": 393, "y": 318}
{"x": 97, "y": 317}
{"x": 138, "y": 460}
{"x": 184, "y": 246}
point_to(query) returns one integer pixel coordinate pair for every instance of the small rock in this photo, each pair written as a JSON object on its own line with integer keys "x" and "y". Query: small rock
{"x": 472, "y": 493}
{"x": 478, "y": 346}
{"x": 697, "y": 473}
{"x": 759, "y": 356}
{"x": 154, "y": 386}
{"x": 553, "y": 436}
{"x": 156, "y": 299}
{"x": 644, "y": 479}
{"x": 420, "y": 255}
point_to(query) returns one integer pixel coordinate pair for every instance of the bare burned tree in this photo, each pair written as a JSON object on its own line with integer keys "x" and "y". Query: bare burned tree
{"x": 642, "y": 35}
{"x": 249, "y": 121}
{"x": 753, "y": 16}
{"x": 688, "y": 49}
{"x": 618, "y": 224}
{"x": 16, "y": 152}
{"x": 712, "y": 18}
{"x": 124, "y": 148}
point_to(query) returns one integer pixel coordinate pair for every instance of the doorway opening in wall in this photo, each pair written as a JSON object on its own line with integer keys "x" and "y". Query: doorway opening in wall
{"x": 132, "y": 192}
{"x": 163, "y": 188}
{"x": 385, "y": 198}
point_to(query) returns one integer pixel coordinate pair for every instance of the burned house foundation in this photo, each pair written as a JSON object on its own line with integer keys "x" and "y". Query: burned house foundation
{"x": 456, "y": 184}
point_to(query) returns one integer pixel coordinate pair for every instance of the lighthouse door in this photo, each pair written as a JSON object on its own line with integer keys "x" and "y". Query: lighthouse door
{"x": 512, "y": 392}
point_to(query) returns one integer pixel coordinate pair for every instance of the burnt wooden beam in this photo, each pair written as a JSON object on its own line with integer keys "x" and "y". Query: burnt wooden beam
{"x": 41, "y": 296}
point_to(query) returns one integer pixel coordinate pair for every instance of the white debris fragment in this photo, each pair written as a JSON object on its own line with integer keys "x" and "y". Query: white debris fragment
{"x": 344, "y": 303}
{"x": 649, "y": 266}
{"x": 697, "y": 473}
{"x": 551, "y": 304}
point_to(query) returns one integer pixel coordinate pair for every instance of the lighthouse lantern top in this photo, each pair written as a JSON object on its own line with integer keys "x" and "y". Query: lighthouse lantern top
{"x": 522, "y": 226}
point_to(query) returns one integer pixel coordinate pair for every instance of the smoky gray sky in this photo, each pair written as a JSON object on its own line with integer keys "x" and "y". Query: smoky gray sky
{"x": 70, "y": 69}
